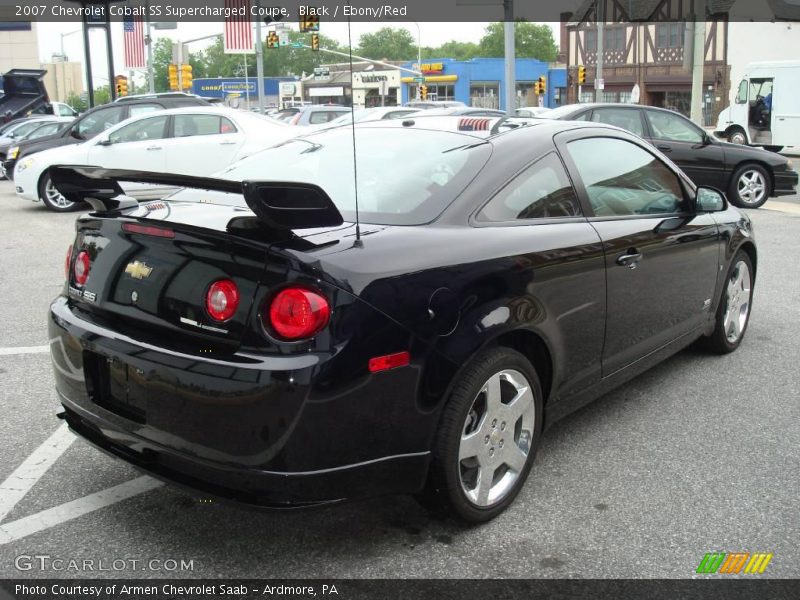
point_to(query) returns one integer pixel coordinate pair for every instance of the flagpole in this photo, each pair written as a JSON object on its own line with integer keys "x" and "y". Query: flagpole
{"x": 259, "y": 62}
{"x": 151, "y": 84}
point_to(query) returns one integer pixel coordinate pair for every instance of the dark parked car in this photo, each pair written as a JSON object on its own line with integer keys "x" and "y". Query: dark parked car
{"x": 100, "y": 118}
{"x": 281, "y": 356}
{"x": 749, "y": 175}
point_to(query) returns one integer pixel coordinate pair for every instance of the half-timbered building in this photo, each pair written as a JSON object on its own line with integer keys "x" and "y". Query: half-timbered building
{"x": 644, "y": 44}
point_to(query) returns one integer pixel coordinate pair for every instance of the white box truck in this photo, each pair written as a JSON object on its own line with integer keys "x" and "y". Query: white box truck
{"x": 766, "y": 109}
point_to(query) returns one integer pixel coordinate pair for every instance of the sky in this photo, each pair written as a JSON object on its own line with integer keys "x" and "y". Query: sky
{"x": 52, "y": 34}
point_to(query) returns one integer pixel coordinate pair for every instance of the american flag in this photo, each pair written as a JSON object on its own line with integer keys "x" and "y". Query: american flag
{"x": 238, "y": 30}
{"x": 134, "y": 43}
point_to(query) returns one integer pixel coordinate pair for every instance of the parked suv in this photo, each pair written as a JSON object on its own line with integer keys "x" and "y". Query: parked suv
{"x": 90, "y": 123}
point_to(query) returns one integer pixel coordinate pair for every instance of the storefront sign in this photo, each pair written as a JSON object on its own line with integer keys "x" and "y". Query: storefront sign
{"x": 429, "y": 68}
{"x": 373, "y": 78}
{"x": 316, "y": 92}
{"x": 288, "y": 89}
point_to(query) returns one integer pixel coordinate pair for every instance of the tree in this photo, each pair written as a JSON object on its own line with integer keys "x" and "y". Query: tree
{"x": 532, "y": 40}
{"x": 76, "y": 102}
{"x": 454, "y": 49}
{"x": 388, "y": 43}
{"x": 162, "y": 57}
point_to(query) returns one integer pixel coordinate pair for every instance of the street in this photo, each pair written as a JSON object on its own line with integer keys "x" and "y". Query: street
{"x": 700, "y": 454}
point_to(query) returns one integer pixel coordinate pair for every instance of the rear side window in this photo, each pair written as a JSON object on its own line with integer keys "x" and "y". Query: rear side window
{"x": 628, "y": 119}
{"x": 542, "y": 191}
{"x": 188, "y": 125}
{"x": 324, "y": 116}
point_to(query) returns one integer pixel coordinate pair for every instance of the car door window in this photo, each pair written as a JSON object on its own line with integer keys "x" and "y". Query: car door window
{"x": 673, "y": 128}
{"x": 190, "y": 125}
{"x": 542, "y": 191}
{"x": 628, "y": 119}
{"x": 621, "y": 178}
{"x": 98, "y": 121}
{"x": 145, "y": 129}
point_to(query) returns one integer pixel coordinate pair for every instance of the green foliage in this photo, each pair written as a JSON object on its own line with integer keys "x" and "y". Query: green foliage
{"x": 532, "y": 40}
{"x": 76, "y": 102}
{"x": 453, "y": 49}
{"x": 388, "y": 43}
{"x": 102, "y": 95}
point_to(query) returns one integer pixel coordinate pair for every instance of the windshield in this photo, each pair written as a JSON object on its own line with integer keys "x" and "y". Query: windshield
{"x": 348, "y": 118}
{"x": 409, "y": 181}
{"x": 26, "y": 128}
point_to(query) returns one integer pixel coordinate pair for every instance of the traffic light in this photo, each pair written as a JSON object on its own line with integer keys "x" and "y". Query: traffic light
{"x": 315, "y": 42}
{"x": 186, "y": 76}
{"x": 536, "y": 87}
{"x": 309, "y": 23}
{"x": 273, "y": 40}
{"x": 173, "y": 77}
{"x": 581, "y": 75}
{"x": 122, "y": 85}
{"x": 542, "y": 85}
{"x": 423, "y": 92}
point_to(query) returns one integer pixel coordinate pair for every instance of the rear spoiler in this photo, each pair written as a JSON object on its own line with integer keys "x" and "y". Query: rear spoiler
{"x": 279, "y": 206}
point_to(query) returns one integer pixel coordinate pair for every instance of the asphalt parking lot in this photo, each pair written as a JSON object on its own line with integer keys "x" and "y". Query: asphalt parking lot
{"x": 701, "y": 454}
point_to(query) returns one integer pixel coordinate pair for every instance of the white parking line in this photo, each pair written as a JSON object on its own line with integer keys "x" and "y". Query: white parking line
{"x": 19, "y": 483}
{"x": 71, "y": 510}
{"x": 24, "y": 350}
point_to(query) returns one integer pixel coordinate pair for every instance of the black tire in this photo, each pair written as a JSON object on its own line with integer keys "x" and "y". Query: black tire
{"x": 740, "y": 197}
{"x": 44, "y": 183}
{"x": 445, "y": 492}
{"x": 775, "y": 149}
{"x": 737, "y": 136}
{"x": 719, "y": 342}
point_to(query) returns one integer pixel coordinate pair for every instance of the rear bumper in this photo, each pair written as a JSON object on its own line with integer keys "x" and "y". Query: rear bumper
{"x": 253, "y": 487}
{"x": 264, "y": 431}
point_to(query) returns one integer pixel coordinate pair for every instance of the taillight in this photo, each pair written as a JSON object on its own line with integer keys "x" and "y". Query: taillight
{"x": 222, "y": 299}
{"x": 81, "y": 268}
{"x": 148, "y": 230}
{"x": 298, "y": 313}
{"x": 68, "y": 261}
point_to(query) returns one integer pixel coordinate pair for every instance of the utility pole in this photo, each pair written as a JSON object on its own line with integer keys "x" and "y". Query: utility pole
{"x": 699, "y": 61}
{"x": 510, "y": 54}
{"x": 598, "y": 78}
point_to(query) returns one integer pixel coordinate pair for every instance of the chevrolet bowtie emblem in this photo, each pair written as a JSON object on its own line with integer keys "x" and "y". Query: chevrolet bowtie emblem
{"x": 138, "y": 270}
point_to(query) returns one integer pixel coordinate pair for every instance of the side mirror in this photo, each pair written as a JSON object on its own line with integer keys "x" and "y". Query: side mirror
{"x": 76, "y": 134}
{"x": 710, "y": 200}
{"x": 105, "y": 142}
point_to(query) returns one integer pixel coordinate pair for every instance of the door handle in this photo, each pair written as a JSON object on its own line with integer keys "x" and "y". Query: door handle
{"x": 664, "y": 149}
{"x": 630, "y": 259}
{"x": 228, "y": 143}
{"x": 154, "y": 147}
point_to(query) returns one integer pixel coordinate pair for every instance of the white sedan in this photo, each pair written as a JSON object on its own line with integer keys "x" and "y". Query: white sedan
{"x": 187, "y": 141}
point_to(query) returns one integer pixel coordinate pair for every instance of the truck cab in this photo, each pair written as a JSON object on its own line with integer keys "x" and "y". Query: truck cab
{"x": 766, "y": 108}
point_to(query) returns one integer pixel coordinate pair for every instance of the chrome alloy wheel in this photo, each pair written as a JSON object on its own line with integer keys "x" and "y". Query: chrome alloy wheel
{"x": 55, "y": 197}
{"x": 496, "y": 438}
{"x": 737, "y": 298}
{"x": 751, "y": 186}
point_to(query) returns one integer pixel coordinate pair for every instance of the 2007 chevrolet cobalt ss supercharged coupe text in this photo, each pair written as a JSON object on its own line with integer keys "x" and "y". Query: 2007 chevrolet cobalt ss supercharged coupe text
{"x": 244, "y": 339}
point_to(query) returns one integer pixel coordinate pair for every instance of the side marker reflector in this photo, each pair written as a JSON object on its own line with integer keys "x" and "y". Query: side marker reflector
{"x": 390, "y": 361}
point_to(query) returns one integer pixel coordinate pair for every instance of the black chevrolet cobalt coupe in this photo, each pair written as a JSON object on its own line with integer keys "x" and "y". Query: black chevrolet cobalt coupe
{"x": 245, "y": 339}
